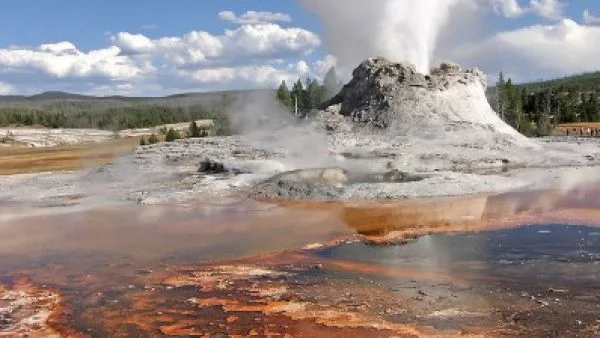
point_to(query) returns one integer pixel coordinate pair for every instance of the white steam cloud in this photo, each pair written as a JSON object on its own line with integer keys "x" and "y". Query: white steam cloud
{"x": 265, "y": 122}
{"x": 400, "y": 30}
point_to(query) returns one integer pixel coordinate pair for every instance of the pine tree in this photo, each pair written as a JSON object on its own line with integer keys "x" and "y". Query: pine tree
{"x": 330, "y": 84}
{"x": 283, "y": 94}
{"x": 298, "y": 95}
{"x": 543, "y": 125}
{"x": 500, "y": 88}
{"x": 514, "y": 106}
{"x": 570, "y": 107}
{"x": 306, "y": 102}
{"x": 594, "y": 111}
{"x": 590, "y": 108}
{"x": 194, "y": 131}
{"x": 314, "y": 94}
{"x": 153, "y": 139}
{"x": 172, "y": 135}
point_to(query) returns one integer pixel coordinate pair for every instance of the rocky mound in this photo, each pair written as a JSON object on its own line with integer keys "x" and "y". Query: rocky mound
{"x": 395, "y": 97}
{"x": 319, "y": 183}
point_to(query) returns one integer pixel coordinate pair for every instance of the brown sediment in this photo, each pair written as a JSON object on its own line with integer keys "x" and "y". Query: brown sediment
{"x": 276, "y": 290}
{"x": 253, "y": 291}
{"x": 32, "y": 311}
{"x": 243, "y": 297}
{"x": 18, "y": 160}
{"x": 235, "y": 310}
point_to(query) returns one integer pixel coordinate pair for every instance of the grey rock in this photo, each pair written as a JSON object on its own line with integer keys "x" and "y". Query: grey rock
{"x": 212, "y": 167}
{"x": 304, "y": 184}
{"x": 292, "y": 190}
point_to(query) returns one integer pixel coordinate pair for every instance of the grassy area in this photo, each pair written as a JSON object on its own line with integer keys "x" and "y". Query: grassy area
{"x": 20, "y": 160}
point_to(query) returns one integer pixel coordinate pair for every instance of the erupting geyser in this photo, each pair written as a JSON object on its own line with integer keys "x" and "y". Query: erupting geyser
{"x": 400, "y": 30}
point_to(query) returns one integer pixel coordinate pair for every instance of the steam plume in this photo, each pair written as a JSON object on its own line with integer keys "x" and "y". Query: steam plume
{"x": 400, "y": 30}
{"x": 261, "y": 118}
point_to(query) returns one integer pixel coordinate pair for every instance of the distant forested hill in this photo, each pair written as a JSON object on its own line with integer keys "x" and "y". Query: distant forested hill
{"x": 583, "y": 82}
{"x": 48, "y": 99}
{"x": 65, "y": 110}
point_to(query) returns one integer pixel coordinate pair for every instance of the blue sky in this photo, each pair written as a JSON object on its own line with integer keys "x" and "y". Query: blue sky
{"x": 86, "y": 22}
{"x": 158, "y": 47}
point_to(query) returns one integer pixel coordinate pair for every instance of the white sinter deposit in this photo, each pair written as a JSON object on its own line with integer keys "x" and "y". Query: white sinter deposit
{"x": 391, "y": 133}
{"x": 48, "y": 137}
{"x": 425, "y": 122}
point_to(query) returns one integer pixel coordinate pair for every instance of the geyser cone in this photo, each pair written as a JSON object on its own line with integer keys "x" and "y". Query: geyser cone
{"x": 448, "y": 103}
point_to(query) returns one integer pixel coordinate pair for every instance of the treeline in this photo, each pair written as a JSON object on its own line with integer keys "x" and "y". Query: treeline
{"x": 117, "y": 118}
{"x": 535, "y": 110}
{"x": 194, "y": 131}
{"x": 310, "y": 94}
{"x": 582, "y": 82}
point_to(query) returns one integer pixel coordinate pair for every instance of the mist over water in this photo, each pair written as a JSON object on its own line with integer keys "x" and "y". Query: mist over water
{"x": 400, "y": 30}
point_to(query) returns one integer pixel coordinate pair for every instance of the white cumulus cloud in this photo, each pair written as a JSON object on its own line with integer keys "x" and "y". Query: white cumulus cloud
{"x": 261, "y": 41}
{"x": 589, "y": 18}
{"x": 63, "y": 59}
{"x": 257, "y": 54}
{"x": 323, "y": 66}
{"x": 264, "y": 76}
{"x": 508, "y": 8}
{"x": 6, "y": 89}
{"x": 133, "y": 43}
{"x": 535, "y": 52}
{"x": 549, "y": 9}
{"x": 254, "y": 17}
{"x": 260, "y": 53}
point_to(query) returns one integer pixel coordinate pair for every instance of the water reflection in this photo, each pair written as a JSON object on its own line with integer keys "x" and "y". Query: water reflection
{"x": 559, "y": 255}
{"x": 241, "y": 228}
{"x": 400, "y": 221}
{"x": 543, "y": 277}
{"x": 189, "y": 232}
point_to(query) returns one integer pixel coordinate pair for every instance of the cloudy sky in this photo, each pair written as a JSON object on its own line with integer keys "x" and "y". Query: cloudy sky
{"x": 159, "y": 47}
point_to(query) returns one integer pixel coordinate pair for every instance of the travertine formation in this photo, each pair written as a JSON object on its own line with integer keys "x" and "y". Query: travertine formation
{"x": 396, "y": 97}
